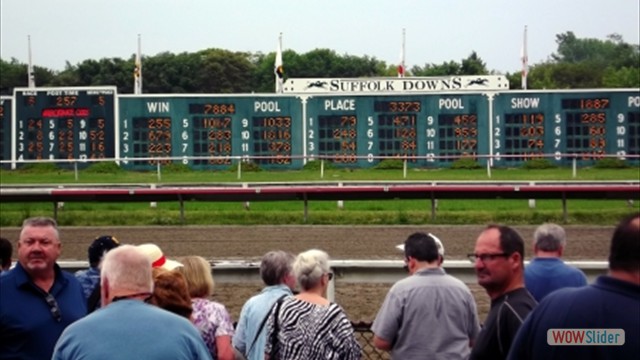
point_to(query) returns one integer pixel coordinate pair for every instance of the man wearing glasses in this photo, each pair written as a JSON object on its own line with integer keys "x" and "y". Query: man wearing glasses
{"x": 430, "y": 314}
{"x": 499, "y": 265}
{"x": 37, "y": 299}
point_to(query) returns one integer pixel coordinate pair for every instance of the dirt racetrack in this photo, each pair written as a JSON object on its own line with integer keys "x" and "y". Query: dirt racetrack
{"x": 360, "y": 301}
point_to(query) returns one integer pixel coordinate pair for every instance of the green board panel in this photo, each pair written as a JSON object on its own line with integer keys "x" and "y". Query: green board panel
{"x": 427, "y": 130}
{"x": 212, "y": 132}
{"x": 561, "y": 126}
{"x": 350, "y": 130}
{"x": 6, "y": 140}
{"x": 64, "y": 124}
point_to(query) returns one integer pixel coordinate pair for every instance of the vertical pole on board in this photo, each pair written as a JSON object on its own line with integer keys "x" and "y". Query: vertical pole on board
{"x": 304, "y": 130}
{"x": 75, "y": 169}
{"x": 239, "y": 170}
{"x": 574, "y": 166}
{"x": 490, "y": 99}
{"x": 158, "y": 171}
{"x": 322, "y": 169}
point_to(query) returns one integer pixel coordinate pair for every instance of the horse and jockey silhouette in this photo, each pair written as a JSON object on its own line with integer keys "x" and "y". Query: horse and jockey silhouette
{"x": 318, "y": 84}
{"x": 478, "y": 81}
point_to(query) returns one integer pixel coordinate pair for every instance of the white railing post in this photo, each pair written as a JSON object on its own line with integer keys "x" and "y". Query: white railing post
{"x": 153, "y": 204}
{"x": 404, "y": 169}
{"x": 340, "y": 202}
{"x": 532, "y": 202}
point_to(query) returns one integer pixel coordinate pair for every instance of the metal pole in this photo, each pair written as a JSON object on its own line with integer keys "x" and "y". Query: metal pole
{"x": 404, "y": 169}
{"x": 181, "y": 209}
{"x": 565, "y": 216}
{"x": 306, "y": 207}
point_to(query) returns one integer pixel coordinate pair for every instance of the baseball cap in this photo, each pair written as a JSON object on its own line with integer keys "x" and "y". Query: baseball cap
{"x": 435, "y": 238}
{"x": 100, "y": 246}
{"x": 157, "y": 258}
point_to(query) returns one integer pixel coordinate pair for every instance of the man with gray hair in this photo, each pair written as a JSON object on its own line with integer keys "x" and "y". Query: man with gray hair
{"x": 127, "y": 327}
{"x": 547, "y": 272}
{"x": 276, "y": 272}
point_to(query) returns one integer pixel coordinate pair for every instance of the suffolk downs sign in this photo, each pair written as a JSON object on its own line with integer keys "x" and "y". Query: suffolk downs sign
{"x": 397, "y": 85}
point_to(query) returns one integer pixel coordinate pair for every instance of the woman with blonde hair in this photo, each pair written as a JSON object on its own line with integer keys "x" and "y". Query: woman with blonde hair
{"x": 210, "y": 317}
{"x": 307, "y": 325}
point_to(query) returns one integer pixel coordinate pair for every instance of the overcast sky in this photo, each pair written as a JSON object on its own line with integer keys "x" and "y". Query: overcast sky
{"x": 436, "y": 30}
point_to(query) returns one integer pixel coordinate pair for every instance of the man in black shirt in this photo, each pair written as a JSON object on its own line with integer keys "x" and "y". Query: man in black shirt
{"x": 499, "y": 264}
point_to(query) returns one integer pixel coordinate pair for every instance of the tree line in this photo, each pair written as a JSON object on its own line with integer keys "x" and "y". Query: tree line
{"x": 577, "y": 63}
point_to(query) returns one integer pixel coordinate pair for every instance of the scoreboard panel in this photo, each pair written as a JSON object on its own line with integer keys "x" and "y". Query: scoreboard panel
{"x": 64, "y": 123}
{"x": 584, "y": 124}
{"x": 361, "y": 131}
{"x": 211, "y": 132}
{"x": 6, "y": 141}
{"x": 461, "y": 124}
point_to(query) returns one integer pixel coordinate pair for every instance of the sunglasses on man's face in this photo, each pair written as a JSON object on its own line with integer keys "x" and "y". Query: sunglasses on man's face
{"x": 53, "y": 305}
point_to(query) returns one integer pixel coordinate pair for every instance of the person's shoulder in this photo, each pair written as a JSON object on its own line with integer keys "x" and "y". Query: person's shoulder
{"x": 7, "y": 281}
{"x": 161, "y": 315}
{"x": 87, "y": 323}
{"x": 336, "y": 312}
{"x": 267, "y": 296}
{"x": 81, "y": 272}
{"x": 404, "y": 283}
{"x": 336, "y": 308}
{"x": 520, "y": 298}
{"x": 210, "y": 305}
{"x": 452, "y": 280}
{"x": 570, "y": 292}
{"x": 65, "y": 274}
{"x": 564, "y": 297}
{"x": 71, "y": 278}
{"x": 574, "y": 270}
{"x": 6, "y": 275}
{"x": 15, "y": 279}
